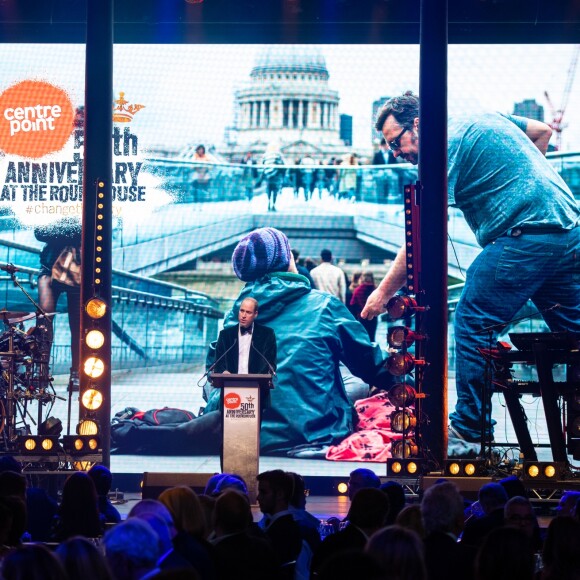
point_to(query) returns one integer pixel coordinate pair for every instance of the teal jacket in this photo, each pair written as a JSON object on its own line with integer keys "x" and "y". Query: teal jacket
{"x": 314, "y": 332}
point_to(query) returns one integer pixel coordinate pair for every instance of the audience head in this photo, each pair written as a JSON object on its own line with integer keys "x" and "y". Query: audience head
{"x": 504, "y": 555}
{"x": 442, "y": 509}
{"x": 274, "y": 491}
{"x": 362, "y": 478}
{"x": 12, "y": 483}
{"x": 513, "y": 486}
{"x": 567, "y": 503}
{"x": 161, "y": 529}
{"x": 260, "y": 252}
{"x": 399, "y": 552}
{"x": 131, "y": 549}
{"x": 518, "y": 513}
{"x": 230, "y": 481}
{"x": 82, "y": 559}
{"x": 9, "y": 463}
{"x": 298, "y": 499}
{"x": 185, "y": 509}
{"x": 153, "y": 506}
{"x": 212, "y": 482}
{"x": 369, "y": 509}
{"x": 326, "y": 255}
{"x": 410, "y": 518}
{"x": 32, "y": 562}
{"x": 396, "y": 495}
{"x": 561, "y": 554}
{"x": 492, "y": 496}
{"x": 232, "y": 513}
{"x": 102, "y": 478}
{"x": 367, "y": 278}
{"x": 208, "y": 507}
{"x": 13, "y": 519}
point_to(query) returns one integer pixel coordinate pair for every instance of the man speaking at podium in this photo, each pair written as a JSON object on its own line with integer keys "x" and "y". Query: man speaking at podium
{"x": 247, "y": 347}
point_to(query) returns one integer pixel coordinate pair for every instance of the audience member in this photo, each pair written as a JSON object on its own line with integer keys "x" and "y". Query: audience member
{"x": 32, "y": 562}
{"x": 274, "y": 493}
{"x": 12, "y": 521}
{"x": 308, "y": 523}
{"x": 78, "y": 514}
{"x": 505, "y": 555}
{"x": 396, "y": 495}
{"x": 239, "y": 553}
{"x": 399, "y": 552}
{"x": 518, "y": 513}
{"x": 230, "y": 481}
{"x": 492, "y": 499}
{"x": 513, "y": 486}
{"x": 103, "y": 479}
{"x": 445, "y": 558}
{"x": 367, "y": 514}
{"x": 132, "y": 549}
{"x": 83, "y": 560}
{"x": 410, "y": 518}
{"x": 561, "y": 553}
{"x": 348, "y": 565}
{"x": 567, "y": 503}
{"x": 362, "y": 478}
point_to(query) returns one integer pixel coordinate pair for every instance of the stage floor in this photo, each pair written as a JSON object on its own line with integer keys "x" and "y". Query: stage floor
{"x": 176, "y": 386}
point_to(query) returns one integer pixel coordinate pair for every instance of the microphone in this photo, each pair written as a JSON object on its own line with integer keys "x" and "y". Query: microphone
{"x": 10, "y": 268}
{"x": 221, "y": 357}
{"x": 272, "y": 371}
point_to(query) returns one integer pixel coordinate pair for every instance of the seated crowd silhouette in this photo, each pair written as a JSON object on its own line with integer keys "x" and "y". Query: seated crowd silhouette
{"x": 213, "y": 536}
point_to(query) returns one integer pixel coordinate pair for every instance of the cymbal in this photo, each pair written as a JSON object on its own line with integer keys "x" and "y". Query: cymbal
{"x": 8, "y": 315}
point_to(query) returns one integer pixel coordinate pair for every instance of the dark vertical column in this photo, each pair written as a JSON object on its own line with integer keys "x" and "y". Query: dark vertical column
{"x": 96, "y": 276}
{"x": 433, "y": 200}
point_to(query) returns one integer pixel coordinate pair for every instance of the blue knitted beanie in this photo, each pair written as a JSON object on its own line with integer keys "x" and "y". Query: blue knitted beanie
{"x": 261, "y": 251}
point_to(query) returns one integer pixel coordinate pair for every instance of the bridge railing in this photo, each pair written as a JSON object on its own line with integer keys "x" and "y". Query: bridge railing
{"x": 193, "y": 182}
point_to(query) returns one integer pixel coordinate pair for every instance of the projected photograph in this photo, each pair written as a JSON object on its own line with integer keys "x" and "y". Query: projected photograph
{"x": 210, "y": 143}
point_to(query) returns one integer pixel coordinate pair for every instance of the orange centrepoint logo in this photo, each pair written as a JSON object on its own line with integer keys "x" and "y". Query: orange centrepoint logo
{"x": 36, "y": 118}
{"x": 232, "y": 401}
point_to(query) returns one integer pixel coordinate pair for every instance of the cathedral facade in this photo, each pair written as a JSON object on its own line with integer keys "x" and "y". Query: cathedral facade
{"x": 287, "y": 102}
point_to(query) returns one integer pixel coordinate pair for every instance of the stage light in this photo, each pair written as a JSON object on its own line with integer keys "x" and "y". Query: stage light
{"x": 403, "y": 449}
{"x": 405, "y": 467}
{"x": 543, "y": 470}
{"x": 38, "y": 444}
{"x": 401, "y": 307}
{"x": 399, "y": 364}
{"x": 403, "y": 421}
{"x": 92, "y": 399}
{"x": 342, "y": 487}
{"x": 50, "y": 426}
{"x": 81, "y": 444}
{"x": 94, "y": 367}
{"x": 401, "y": 395}
{"x": 401, "y": 336}
{"x": 83, "y": 465}
{"x": 87, "y": 427}
{"x": 96, "y": 308}
{"x": 95, "y": 339}
{"x": 464, "y": 467}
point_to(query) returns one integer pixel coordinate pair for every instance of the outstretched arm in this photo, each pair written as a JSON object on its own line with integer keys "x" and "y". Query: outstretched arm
{"x": 394, "y": 280}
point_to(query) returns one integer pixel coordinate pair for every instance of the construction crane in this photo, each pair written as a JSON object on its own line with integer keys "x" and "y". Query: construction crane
{"x": 557, "y": 123}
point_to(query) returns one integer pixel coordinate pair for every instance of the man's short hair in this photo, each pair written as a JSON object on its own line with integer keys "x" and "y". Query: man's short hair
{"x": 492, "y": 496}
{"x": 369, "y": 508}
{"x": 405, "y": 109}
{"x": 326, "y": 255}
{"x": 254, "y": 302}
{"x": 367, "y": 476}
{"x": 102, "y": 478}
{"x": 279, "y": 481}
{"x": 133, "y": 540}
{"x": 441, "y": 508}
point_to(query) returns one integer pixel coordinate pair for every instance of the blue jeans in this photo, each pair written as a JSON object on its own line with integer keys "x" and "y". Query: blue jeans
{"x": 542, "y": 267}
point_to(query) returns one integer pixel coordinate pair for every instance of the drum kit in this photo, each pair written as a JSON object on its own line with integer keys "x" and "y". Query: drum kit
{"x": 24, "y": 373}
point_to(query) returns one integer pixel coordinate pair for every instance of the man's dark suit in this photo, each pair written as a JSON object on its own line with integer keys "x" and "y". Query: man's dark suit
{"x": 263, "y": 341}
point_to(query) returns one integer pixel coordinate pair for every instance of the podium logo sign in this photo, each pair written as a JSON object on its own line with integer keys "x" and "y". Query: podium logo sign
{"x": 232, "y": 401}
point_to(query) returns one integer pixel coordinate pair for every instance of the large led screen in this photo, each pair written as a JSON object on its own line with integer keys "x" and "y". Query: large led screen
{"x": 192, "y": 124}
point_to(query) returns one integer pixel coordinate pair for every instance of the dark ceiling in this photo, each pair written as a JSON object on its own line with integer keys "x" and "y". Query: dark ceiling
{"x": 284, "y": 21}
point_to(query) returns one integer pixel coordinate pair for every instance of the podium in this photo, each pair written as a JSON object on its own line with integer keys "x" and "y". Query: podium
{"x": 241, "y": 416}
